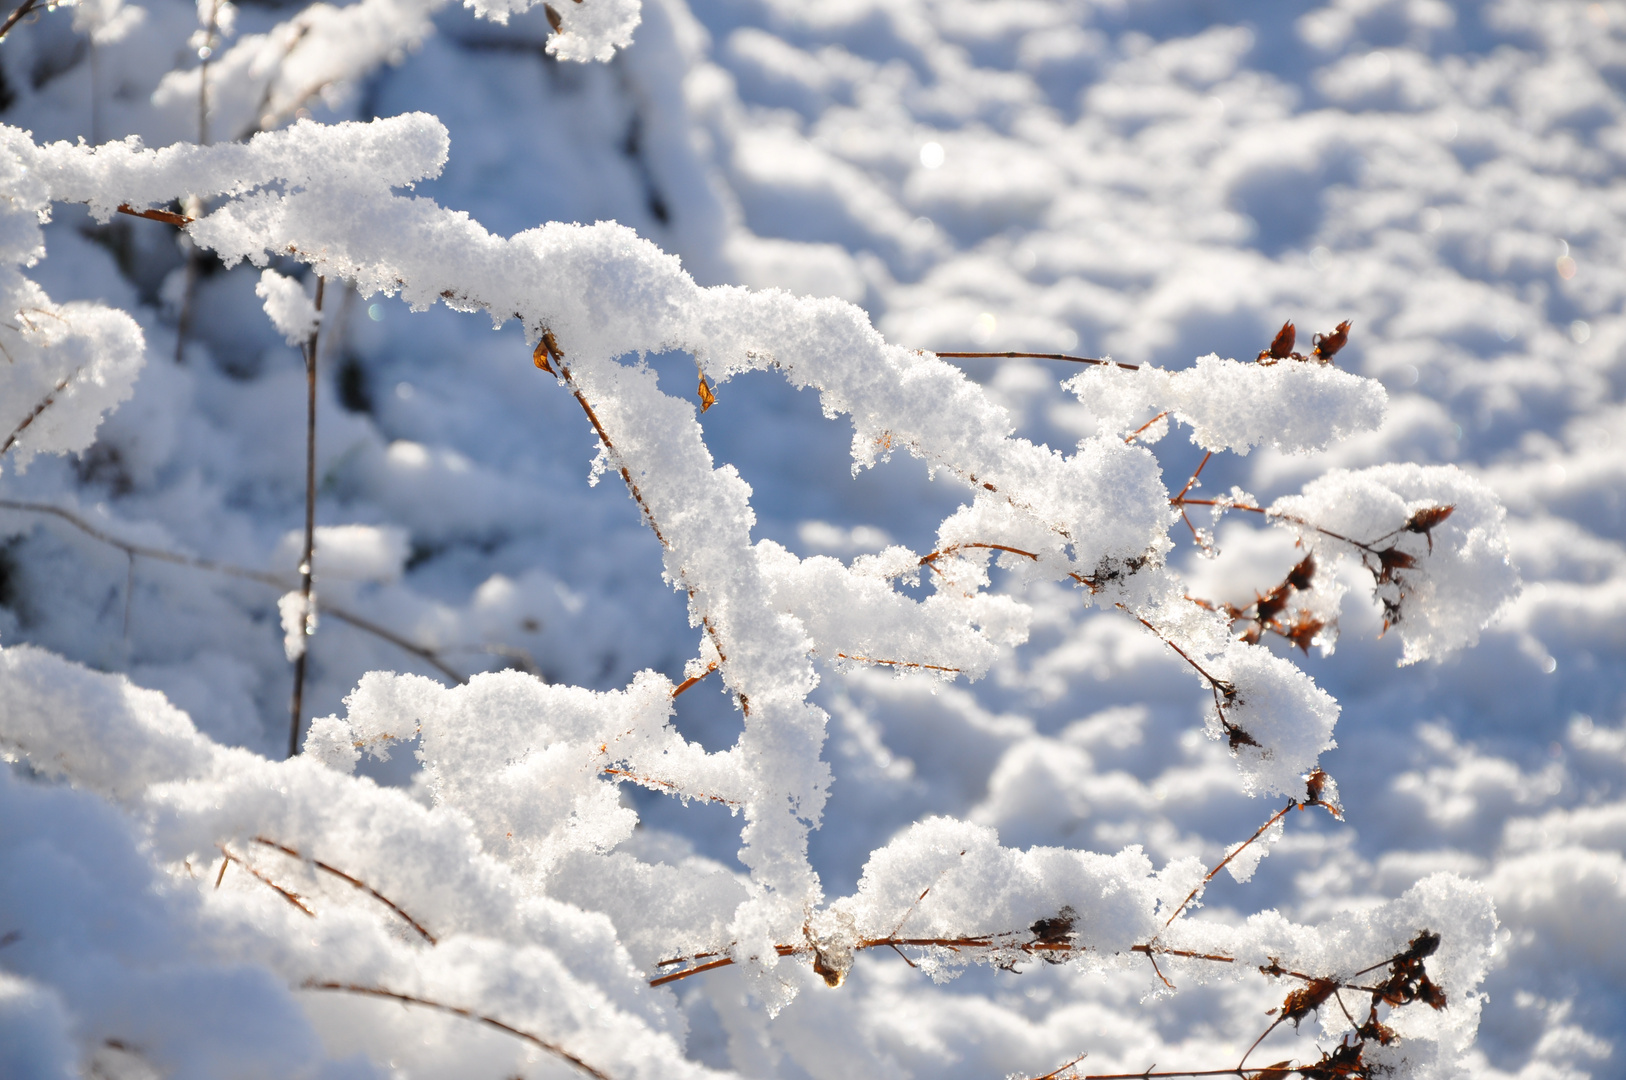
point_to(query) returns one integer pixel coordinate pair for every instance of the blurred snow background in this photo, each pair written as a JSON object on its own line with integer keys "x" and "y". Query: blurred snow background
{"x": 1152, "y": 180}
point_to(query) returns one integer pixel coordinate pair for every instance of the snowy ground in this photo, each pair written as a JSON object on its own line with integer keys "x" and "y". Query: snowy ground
{"x": 1152, "y": 180}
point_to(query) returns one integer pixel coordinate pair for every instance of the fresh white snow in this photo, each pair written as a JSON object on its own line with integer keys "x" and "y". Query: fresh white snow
{"x": 898, "y": 732}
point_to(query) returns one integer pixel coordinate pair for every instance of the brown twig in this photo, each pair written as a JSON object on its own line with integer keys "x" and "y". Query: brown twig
{"x": 1033, "y": 946}
{"x": 297, "y": 705}
{"x": 692, "y": 679}
{"x": 178, "y": 220}
{"x": 931, "y": 559}
{"x": 1220, "y": 686}
{"x": 455, "y": 1010}
{"x": 1181, "y": 498}
{"x": 896, "y": 663}
{"x": 45, "y": 403}
{"x": 650, "y": 781}
{"x": 1131, "y": 436}
{"x": 1292, "y": 804}
{"x": 287, "y": 894}
{"x": 352, "y": 881}
{"x": 277, "y": 581}
{"x": 549, "y": 357}
{"x": 1035, "y": 356}
{"x": 17, "y": 16}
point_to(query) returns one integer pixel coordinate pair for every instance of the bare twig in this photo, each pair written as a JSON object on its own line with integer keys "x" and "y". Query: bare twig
{"x": 1292, "y": 805}
{"x": 692, "y": 679}
{"x": 298, "y": 703}
{"x": 277, "y": 581}
{"x": 287, "y": 894}
{"x": 17, "y": 16}
{"x": 178, "y": 220}
{"x": 44, "y": 403}
{"x": 352, "y": 881}
{"x": 650, "y": 781}
{"x": 549, "y": 357}
{"x": 467, "y": 1014}
{"x": 1036, "y": 356}
{"x": 1180, "y": 498}
{"x": 1131, "y": 436}
{"x": 896, "y": 663}
{"x": 1024, "y": 941}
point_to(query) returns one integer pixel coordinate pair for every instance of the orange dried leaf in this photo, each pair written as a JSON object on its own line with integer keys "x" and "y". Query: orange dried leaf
{"x": 707, "y": 398}
{"x": 539, "y": 357}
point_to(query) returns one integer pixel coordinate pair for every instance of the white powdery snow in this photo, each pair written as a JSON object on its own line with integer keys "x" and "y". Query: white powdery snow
{"x": 1156, "y": 184}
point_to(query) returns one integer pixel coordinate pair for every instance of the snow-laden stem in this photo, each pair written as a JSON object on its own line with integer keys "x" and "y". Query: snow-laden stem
{"x": 45, "y": 403}
{"x": 353, "y": 882}
{"x": 310, "y": 523}
{"x": 467, "y": 1014}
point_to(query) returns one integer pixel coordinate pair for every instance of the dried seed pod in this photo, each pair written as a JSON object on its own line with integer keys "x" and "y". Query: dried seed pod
{"x": 1281, "y": 347}
{"x": 1327, "y": 345}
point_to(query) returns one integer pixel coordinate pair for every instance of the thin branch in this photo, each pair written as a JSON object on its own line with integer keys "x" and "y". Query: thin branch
{"x": 354, "y": 882}
{"x": 296, "y": 707}
{"x": 276, "y": 581}
{"x": 930, "y": 560}
{"x": 1181, "y": 500}
{"x": 549, "y": 357}
{"x": 896, "y": 663}
{"x": 1035, "y": 356}
{"x": 1131, "y": 436}
{"x": 650, "y": 781}
{"x": 1032, "y": 946}
{"x": 287, "y": 894}
{"x": 467, "y": 1014}
{"x": 45, "y": 403}
{"x": 17, "y": 16}
{"x": 1293, "y": 804}
{"x": 1055, "y": 1074}
{"x": 427, "y": 655}
{"x": 1221, "y": 686}
{"x": 692, "y": 679}
{"x": 1189, "y": 483}
{"x": 178, "y": 220}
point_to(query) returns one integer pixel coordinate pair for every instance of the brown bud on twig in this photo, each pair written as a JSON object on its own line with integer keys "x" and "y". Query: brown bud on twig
{"x": 1424, "y": 521}
{"x": 1281, "y": 347}
{"x": 1327, "y": 345}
